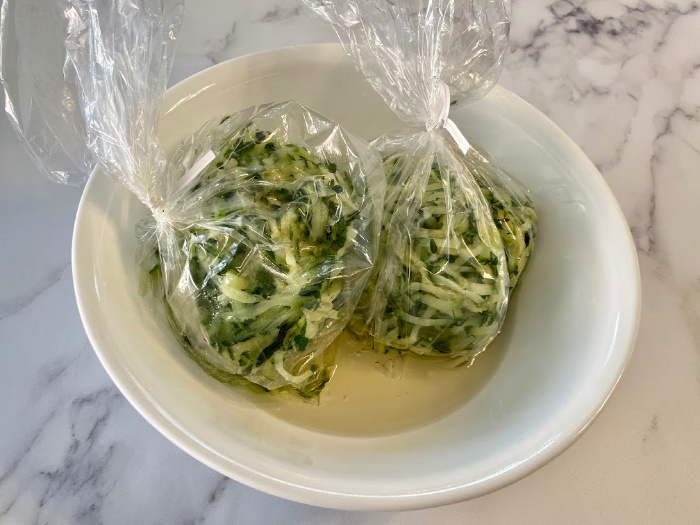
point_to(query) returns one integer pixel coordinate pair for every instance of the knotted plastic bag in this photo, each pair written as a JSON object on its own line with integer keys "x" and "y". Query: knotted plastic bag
{"x": 457, "y": 231}
{"x": 265, "y": 223}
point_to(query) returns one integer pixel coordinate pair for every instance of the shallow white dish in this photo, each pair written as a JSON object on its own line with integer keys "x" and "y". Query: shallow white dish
{"x": 434, "y": 436}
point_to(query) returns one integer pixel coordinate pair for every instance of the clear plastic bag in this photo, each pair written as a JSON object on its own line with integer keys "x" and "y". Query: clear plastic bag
{"x": 83, "y": 83}
{"x": 265, "y": 223}
{"x": 266, "y": 252}
{"x": 457, "y": 231}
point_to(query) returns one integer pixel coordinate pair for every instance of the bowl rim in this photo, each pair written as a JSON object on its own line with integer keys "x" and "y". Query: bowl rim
{"x": 342, "y": 500}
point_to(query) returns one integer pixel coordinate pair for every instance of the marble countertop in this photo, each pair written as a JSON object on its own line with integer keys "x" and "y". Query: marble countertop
{"x": 621, "y": 77}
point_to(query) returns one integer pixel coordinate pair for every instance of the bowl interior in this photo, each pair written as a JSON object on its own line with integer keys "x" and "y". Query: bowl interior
{"x": 435, "y": 435}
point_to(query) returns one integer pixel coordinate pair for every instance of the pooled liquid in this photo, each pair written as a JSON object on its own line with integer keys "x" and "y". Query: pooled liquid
{"x": 375, "y": 394}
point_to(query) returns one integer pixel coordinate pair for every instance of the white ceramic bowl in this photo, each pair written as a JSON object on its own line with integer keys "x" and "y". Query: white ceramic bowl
{"x": 436, "y": 435}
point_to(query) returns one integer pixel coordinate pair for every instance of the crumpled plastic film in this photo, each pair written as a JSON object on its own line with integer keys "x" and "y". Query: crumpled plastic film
{"x": 457, "y": 231}
{"x": 265, "y": 223}
{"x": 401, "y": 46}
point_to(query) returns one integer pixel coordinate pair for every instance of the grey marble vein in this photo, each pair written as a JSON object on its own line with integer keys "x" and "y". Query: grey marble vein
{"x": 12, "y": 306}
{"x": 222, "y": 46}
{"x": 280, "y": 13}
{"x": 603, "y": 42}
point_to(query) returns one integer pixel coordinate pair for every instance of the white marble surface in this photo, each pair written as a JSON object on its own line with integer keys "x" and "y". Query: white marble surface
{"x": 622, "y": 77}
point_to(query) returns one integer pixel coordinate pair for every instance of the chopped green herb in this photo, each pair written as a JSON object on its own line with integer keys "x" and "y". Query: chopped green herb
{"x": 266, "y": 257}
{"x": 439, "y": 287}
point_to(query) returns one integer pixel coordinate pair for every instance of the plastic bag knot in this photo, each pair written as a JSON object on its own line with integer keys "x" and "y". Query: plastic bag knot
{"x": 442, "y": 106}
{"x": 443, "y": 120}
{"x": 160, "y": 214}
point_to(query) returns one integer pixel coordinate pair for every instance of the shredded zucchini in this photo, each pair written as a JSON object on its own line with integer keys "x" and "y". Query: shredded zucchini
{"x": 440, "y": 286}
{"x": 263, "y": 263}
{"x": 511, "y": 209}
